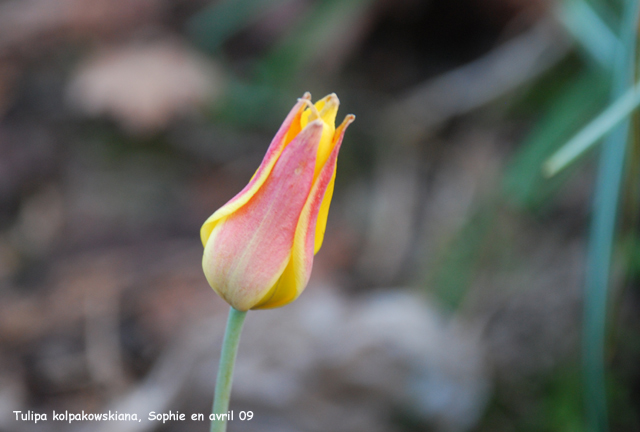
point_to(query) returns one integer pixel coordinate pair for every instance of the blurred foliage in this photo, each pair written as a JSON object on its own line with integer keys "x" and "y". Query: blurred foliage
{"x": 469, "y": 251}
{"x": 219, "y": 21}
{"x": 554, "y": 404}
{"x": 566, "y": 111}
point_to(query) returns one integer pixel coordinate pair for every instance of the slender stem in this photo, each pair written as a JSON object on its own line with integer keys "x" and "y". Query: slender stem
{"x": 603, "y": 224}
{"x": 225, "y": 369}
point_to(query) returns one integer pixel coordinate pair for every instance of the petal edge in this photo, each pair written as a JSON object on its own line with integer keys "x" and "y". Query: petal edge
{"x": 274, "y": 151}
{"x": 296, "y": 275}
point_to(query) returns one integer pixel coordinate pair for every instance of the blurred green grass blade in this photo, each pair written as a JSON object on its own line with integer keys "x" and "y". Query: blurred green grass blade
{"x": 593, "y": 34}
{"x": 564, "y": 403}
{"x": 591, "y": 133}
{"x": 564, "y": 115}
{"x": 325, "y": 26}
{"x": 458, "y": 263}
{"x": 245, "y": 102}
{"x": 220, "y": 20}
{"x": 601, "y": 238}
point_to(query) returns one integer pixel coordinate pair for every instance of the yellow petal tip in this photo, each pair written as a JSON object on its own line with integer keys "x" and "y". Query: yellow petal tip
{"x": 330, "y": 108}
{"x": 332, "y": 99}
{"x": 348, "y": 119}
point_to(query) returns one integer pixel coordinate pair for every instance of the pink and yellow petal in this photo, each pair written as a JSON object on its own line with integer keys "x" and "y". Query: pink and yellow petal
{"x": 280, "y": 141}
{"x": 249, "y": 249}
{"x": 297, "y": 272}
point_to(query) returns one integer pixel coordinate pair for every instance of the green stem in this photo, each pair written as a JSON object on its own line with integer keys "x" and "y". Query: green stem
{"x": 225, "y": 369}
{"x": 601, "y": 238}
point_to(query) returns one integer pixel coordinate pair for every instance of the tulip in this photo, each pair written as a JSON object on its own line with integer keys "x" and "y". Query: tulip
{"x": 259, "y": 247}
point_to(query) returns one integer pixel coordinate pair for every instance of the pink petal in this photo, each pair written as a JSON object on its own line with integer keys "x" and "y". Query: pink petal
{"x": 296, "y": 275}
{"x": 279, "y": 142}
{"x": 250, "y": 247}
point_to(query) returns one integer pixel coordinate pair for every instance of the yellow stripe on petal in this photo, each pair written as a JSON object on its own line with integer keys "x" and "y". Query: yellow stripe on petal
{"x": 323, "y": 215}
{"x": 328, "y": 115}
{"x": 321, "y": 224}
{"x": 326, "y": 109}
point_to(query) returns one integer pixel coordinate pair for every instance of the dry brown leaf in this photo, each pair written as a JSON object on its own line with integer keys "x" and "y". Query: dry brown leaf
{"x": 145, "y": 86}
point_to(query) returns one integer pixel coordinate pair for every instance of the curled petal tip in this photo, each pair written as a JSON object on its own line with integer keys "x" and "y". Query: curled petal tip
{"x": 333, "y": 97}
{"x": 349, "y": 118}
{"x": 306, "y": 96}
{"x": 331, "y": 103}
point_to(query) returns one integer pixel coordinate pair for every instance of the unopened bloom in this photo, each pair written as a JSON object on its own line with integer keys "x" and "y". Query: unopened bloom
{"x": 259, "y": 247}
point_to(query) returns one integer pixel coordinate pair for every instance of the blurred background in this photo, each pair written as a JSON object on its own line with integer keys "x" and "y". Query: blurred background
{"x": 448, "y": 293}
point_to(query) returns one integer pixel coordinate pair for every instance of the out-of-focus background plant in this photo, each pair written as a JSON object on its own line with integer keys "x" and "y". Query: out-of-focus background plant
{"x": 449, "y": 292}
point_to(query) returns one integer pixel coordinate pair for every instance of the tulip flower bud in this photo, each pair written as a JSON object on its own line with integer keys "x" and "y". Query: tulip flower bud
{"x": 259, "y": 247}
